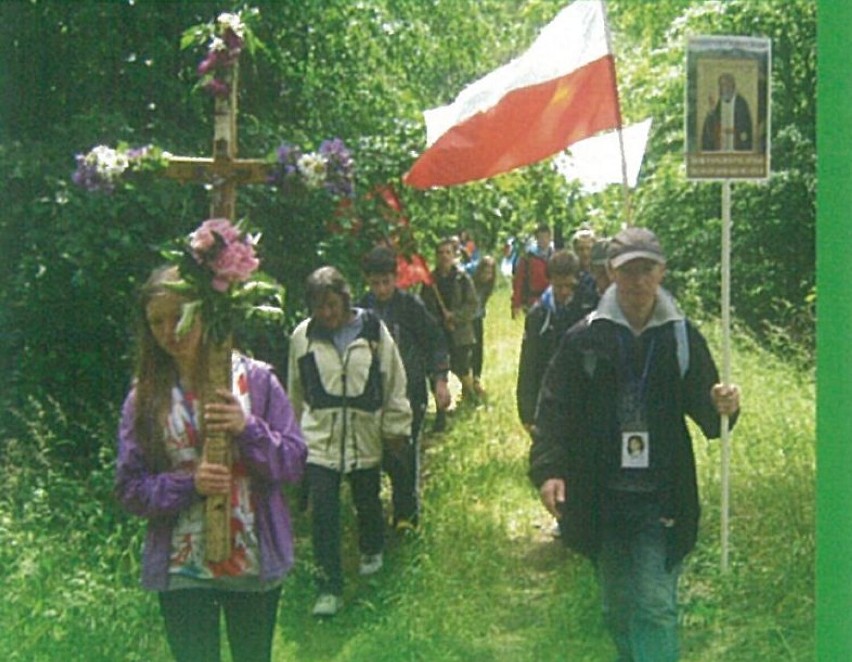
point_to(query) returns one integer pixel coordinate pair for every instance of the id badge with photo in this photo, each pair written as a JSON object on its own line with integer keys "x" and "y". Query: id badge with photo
{"x": 635, "y": 449}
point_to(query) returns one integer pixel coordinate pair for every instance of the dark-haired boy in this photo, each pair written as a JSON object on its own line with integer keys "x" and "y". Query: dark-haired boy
{"x": 423, "y": 349}
{"x": 453, "y": 301}
{"x": 559, "y": 308}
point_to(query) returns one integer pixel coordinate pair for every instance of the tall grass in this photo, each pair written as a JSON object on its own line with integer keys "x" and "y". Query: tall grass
{"x": 482, "y": 580}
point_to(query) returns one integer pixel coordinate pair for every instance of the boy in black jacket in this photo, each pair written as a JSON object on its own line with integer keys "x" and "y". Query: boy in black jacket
{"x": 423, "y": 349}
{"x": 559, "y": 308}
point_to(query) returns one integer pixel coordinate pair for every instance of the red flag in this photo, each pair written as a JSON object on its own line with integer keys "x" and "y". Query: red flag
{"x": 412, "y": 271}
{"x": 561, "y": 90}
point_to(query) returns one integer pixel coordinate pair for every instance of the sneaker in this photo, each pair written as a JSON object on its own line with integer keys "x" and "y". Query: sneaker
{"x": 370, "y": 564}
{"x": 327, "y": 604}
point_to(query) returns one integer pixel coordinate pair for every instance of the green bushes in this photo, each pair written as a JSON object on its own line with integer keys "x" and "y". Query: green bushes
{"x": 69, "y": 556}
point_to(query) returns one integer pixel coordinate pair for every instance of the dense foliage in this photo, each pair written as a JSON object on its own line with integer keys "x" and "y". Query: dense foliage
{"x": 78, "y": 74}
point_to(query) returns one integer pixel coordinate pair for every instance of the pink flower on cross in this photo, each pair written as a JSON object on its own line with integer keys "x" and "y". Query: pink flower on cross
{"x": 217, "y": 88}
{"x": 204, "y": 238}
{"x": 234, "y": 264}
{"x": 223, "y": 249}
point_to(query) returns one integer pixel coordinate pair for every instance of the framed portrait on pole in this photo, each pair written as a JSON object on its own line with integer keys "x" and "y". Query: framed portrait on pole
{"x": 727, "y": 107}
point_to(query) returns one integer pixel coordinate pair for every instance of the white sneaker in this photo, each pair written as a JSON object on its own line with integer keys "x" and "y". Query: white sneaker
{"x": 555, "y": 531}
{"x": 370, "y": 564}
{"x": 328, "y": 604}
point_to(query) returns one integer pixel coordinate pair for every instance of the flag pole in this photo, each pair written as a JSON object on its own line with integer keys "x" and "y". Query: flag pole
{"x": 625, "y": 187}
{"x": 726, "y": 368}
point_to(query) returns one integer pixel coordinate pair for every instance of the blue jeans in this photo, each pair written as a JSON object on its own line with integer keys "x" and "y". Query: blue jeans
{"x": 639, "y": 594}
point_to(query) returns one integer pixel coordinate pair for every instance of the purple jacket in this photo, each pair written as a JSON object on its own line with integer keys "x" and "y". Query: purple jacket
{"x": 274, "y": 453}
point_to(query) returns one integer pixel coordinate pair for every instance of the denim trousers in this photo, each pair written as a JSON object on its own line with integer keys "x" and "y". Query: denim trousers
{"x": 639, "y": 594}
{"x": 324, "y": 497}
{"x": 191, "y": 618}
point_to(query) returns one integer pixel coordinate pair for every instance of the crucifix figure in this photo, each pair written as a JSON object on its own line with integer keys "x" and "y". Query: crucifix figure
{"x": 224, "y": 172}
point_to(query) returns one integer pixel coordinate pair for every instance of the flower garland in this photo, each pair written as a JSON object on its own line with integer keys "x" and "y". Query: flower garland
{"x": 329, "y": 168}
{"x": 103, "y": 168}
{"x": 219, "y": 273}
{"x": 227, "y": 38}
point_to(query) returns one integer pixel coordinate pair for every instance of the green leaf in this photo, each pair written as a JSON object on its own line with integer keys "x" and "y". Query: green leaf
{"x": 187, "y": 318}
{"x": 195, "y": 35}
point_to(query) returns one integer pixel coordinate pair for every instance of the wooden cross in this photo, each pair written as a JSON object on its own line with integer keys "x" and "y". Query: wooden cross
{"x": 224, "y": 172}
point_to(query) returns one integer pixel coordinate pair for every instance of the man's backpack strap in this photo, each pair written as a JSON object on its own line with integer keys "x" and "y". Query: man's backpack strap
{"x": 682, "y": 342}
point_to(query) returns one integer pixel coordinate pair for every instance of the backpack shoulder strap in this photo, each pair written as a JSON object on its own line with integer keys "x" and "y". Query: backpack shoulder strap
{"x": 371, "y": 330}
{"x": 682, "y": 342}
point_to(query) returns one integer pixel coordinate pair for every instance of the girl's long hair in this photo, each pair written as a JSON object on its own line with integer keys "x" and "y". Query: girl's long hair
{"x": 156, "y": 374}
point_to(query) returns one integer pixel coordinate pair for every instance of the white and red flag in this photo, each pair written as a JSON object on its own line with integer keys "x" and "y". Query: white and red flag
{"x": 561, "y": 90}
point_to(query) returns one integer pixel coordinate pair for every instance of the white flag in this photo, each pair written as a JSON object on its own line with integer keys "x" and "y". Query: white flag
{"x": 596, "y": 161}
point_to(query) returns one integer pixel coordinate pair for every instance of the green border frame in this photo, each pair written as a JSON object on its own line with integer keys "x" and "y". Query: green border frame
{"x": 834, "y": 328}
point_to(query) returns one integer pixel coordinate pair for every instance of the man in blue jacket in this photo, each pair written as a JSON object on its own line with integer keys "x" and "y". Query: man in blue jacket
{"x": 617, "y": 379}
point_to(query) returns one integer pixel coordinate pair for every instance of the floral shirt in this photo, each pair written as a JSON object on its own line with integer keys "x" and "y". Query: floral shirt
{"x": 183, "y": 445}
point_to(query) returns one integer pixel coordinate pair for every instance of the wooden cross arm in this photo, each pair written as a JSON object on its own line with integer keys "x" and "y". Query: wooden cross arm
{"x": 188, "y": 169}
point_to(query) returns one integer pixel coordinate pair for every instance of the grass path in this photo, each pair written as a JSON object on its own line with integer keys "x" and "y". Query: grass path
{"x": 484, "y": 581}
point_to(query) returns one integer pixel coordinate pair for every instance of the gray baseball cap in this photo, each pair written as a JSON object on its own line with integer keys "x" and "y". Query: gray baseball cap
{"x": 633, "y": 243}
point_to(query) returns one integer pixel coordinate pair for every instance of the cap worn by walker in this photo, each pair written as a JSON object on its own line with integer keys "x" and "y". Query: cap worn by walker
{"x": 634, "y": 243}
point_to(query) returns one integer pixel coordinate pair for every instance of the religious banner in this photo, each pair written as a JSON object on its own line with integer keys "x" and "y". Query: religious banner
{"x": 727, "y": 107}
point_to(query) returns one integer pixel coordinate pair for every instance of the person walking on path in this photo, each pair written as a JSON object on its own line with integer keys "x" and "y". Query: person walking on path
{"x": 582, "y": 243}
{"x": 630, "y": 507}
{"x": 423, "y": 349}
{"x": 530, "y": 279}
{"x": 161, "y": 476}
{"x": 347, "y": 384}
{"x": 452, "y": 299}
{"x": 559, "y": 309}
{"x": 484, "y": 280}
{"x": 599, "y": 266}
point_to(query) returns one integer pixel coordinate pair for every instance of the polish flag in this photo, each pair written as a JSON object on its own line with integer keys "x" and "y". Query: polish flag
{"x": 561, "y": 90}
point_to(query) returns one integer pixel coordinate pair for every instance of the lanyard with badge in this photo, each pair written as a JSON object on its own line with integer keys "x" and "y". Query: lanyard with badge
{"x": 635, "y": 438}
